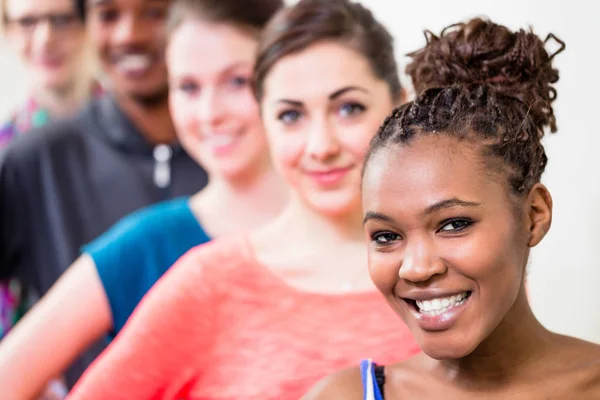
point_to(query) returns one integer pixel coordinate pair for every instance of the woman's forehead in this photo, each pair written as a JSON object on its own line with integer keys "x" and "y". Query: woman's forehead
{"x": 431, "y": 165}
{"x": 321, "y": 68}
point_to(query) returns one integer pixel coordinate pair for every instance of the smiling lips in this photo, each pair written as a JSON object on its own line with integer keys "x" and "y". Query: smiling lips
{"x": 329, "y": 177}
{"x": 135, "y": 65}
{"x": 438, "y": 313}
{"x": 222, "y": 143}
{"x": 50, "y": 61}
{"x": 440, "y": 305}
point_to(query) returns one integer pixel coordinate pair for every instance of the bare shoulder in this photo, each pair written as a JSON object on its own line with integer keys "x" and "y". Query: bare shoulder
{"x": 586, "y": 379}
{"x": 590, "y": 371}
{"x": 343, "y": 385}
{"x": 581, "y": 352}
{"x": 582, "y": 359}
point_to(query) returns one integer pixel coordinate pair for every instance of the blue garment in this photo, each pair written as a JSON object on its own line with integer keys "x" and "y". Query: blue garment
{"x": 369, "y": 381}
{"x": 139, "y": 249}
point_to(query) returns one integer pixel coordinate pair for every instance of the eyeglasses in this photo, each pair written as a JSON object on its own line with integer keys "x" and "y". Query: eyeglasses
{"x": 59, "y": 22}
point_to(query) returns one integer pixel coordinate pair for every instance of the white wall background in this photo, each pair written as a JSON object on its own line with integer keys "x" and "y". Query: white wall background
{"x": 564, "y": 271}
{"x": 12, "y": 81}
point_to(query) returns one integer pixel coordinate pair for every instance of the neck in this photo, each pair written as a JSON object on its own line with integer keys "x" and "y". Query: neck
{"x": 242, "y": 203}
{"x": 305, "y": 222}
{"x": 513, "y": 351}
{"x": 314, "y": 251}
{"x": 63, "y": 101}
{"x": 152, "y": 120}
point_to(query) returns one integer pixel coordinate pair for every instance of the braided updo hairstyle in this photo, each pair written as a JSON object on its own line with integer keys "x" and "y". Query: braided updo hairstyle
{"x": 481, "y": 82}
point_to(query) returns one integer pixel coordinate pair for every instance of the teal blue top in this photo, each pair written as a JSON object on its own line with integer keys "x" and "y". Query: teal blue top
{"x": 139, "y": 249}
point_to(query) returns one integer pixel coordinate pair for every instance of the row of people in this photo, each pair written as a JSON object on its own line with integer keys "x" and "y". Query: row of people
{"x": 452, "y": 203}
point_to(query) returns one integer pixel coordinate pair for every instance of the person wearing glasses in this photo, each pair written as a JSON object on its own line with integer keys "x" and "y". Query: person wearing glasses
{"x": 49, "y": 38}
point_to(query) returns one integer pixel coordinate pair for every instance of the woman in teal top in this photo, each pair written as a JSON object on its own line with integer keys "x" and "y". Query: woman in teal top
{"x": 218, "y": 123}
{"x": 137, "y": 251}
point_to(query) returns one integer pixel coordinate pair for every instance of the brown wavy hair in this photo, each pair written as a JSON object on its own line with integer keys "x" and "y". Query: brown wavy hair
{"x": 307, "y": 22}
{"x": 482, "y": 82}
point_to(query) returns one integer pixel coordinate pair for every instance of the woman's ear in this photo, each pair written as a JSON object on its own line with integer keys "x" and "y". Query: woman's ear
{"x": 539, "y": 213}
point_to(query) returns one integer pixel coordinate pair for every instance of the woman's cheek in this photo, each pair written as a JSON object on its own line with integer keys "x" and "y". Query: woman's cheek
{"x": 181, "y": 114}
{"x": 383, "y": 268}
{"x": 287, "y": 151}
{"x": 357, "y": 142}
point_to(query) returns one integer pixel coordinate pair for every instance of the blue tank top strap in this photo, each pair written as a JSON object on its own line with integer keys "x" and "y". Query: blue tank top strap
{"x": 371, "y": 390}
{"x": 364, "y": 374}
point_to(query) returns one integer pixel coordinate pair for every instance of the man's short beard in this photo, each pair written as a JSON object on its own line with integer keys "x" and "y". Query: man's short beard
{"x": 152, "y": 100}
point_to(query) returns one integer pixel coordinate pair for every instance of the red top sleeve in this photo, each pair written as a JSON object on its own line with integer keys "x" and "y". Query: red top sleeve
{"x": 137, "y": 365}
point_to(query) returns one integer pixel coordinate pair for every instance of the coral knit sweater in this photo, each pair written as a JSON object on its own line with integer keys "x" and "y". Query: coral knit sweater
{"x": 220, "y": 325}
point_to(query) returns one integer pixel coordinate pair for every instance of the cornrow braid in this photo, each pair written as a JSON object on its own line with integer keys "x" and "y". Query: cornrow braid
{"x": 486, "y": 84}
{"x": 503, "y": 124}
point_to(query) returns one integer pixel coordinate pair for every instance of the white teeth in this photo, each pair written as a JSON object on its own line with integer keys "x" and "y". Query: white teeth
{"x": 221, "y": 140}
{"x": 135, "y": 62}
{"x": 441, "y": 305}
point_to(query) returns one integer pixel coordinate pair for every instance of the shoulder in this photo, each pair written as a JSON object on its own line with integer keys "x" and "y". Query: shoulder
{"x": 573, "y": 368}
{"x": 188, "y": 291}
{"x": 581, "y": 352}
{"x": 226, "y": 251}
{"x": 586, "y": 358}
{"x": 343, "y": 385}
{"x": 145, "y": 222}
{"x": 7, "y": 132}
{"x": 203, "y": 271}
{"x": 139, "y": 244}
{"x": 50, "y": 138}
{"x": 590, "y": 379}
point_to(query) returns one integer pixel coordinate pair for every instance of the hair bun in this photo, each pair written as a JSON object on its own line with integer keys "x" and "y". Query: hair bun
{"x": 480, "y": 52}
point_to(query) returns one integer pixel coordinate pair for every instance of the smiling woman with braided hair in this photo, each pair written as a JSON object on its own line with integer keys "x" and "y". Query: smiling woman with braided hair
{"x": 450, "y": 236}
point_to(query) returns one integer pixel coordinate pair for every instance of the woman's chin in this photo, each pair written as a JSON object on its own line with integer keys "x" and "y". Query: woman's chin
{"x": 335, "y": 204}
{"x": 445, "y": 350}
{"x": 231, "y": 171}
{"x": 442, "y": 354}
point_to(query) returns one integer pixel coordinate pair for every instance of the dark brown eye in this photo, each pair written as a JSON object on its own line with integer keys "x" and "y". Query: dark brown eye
{"x": 108, "y": 15}
{"x": 385, "y": 238}
{"x": 455, "y": 225}
{"x": 156, "y": 13}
